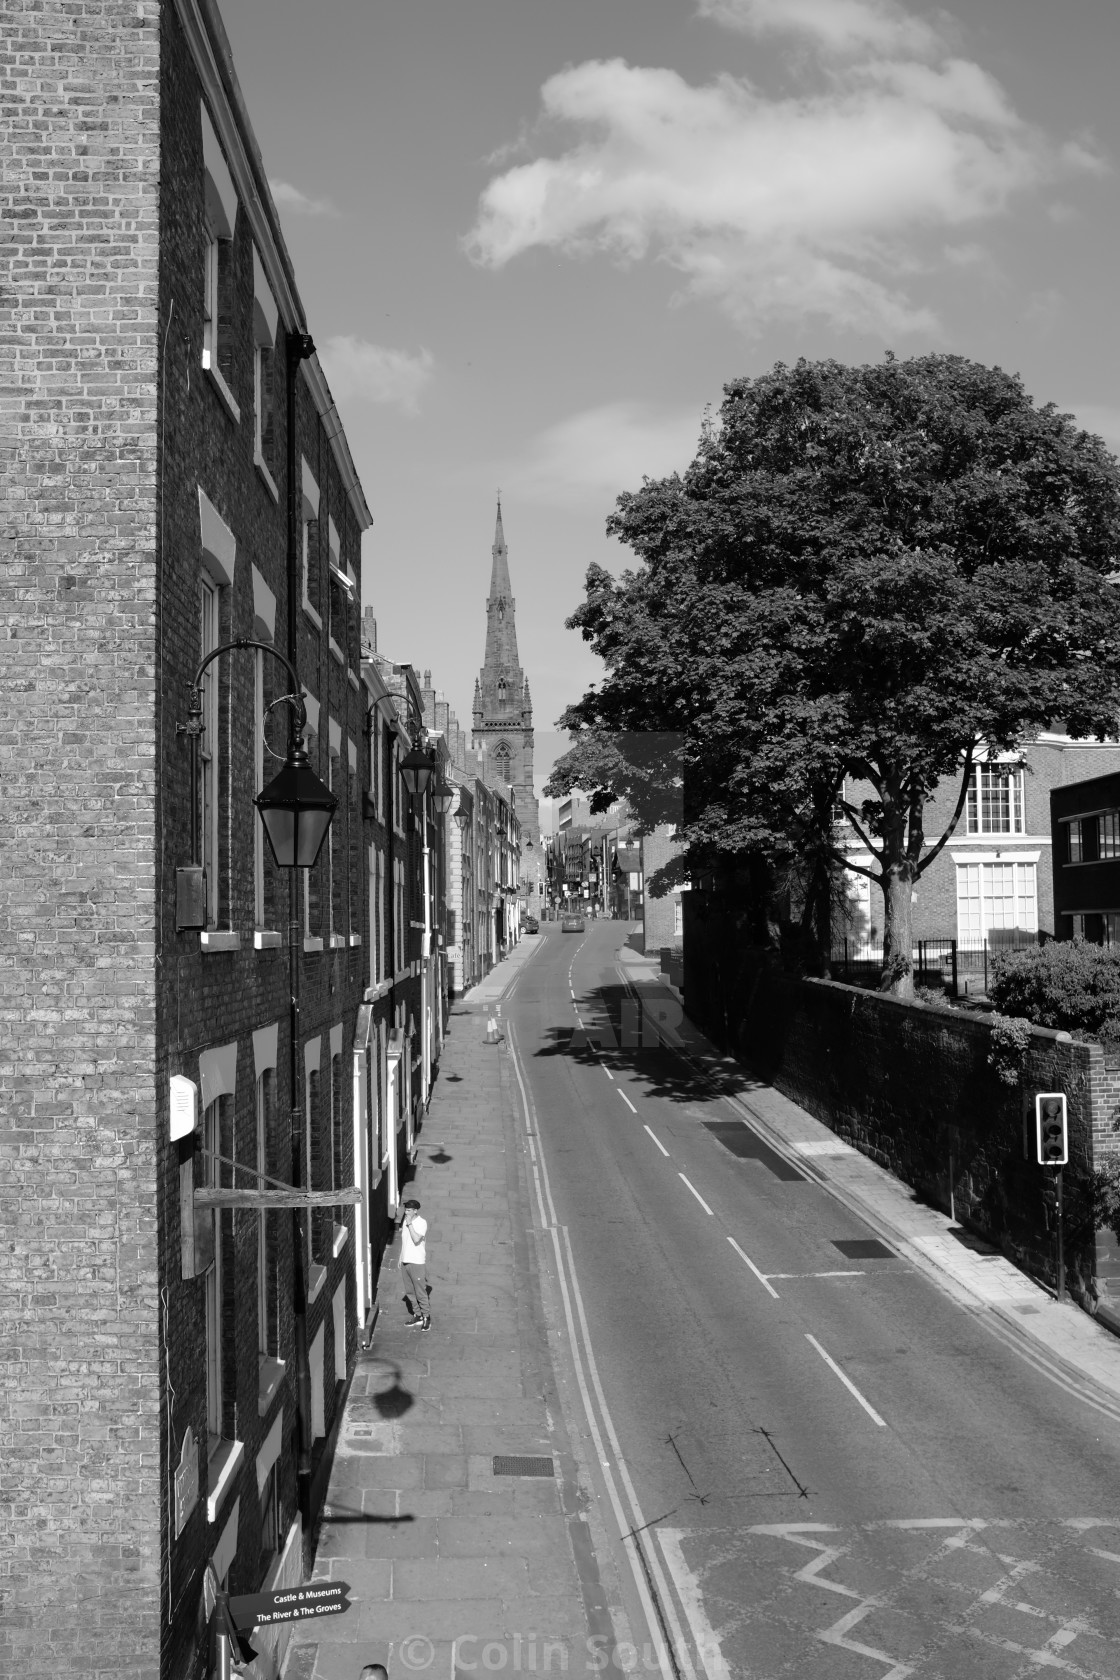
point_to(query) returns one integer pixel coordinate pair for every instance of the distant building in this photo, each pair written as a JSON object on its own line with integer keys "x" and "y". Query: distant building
{"x": 1085, "y": 828}
{"x": 994, "y": 880}
{"x": 502, "y": 718}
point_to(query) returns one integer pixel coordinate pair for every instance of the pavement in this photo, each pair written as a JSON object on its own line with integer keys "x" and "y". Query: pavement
{"x": 1057, "y": 1336}
{"x": 455, "y": 1566}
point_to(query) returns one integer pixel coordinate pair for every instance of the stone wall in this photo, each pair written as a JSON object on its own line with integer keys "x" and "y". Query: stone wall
{"x": 910, "y": 1085}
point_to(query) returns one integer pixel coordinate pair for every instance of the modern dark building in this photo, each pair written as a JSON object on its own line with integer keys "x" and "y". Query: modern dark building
{"x": 1085, "y": 825}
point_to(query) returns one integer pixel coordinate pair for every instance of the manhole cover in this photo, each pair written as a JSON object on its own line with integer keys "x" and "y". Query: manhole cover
{"x": 514, "y": 1465}
{"x": 863, "y": 1248}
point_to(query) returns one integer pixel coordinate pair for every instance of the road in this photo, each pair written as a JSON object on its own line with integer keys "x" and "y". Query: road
{"x": 839, "y": 1471}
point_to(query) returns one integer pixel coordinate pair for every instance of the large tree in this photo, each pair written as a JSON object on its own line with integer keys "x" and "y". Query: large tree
{"x": 867, "y": 574}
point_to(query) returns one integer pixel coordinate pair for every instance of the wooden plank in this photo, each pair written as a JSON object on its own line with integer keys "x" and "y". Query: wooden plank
{"x": 210, "y": 1198}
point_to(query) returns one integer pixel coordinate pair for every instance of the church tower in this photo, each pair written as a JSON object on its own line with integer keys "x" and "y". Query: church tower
{"x": 502, "y": 724}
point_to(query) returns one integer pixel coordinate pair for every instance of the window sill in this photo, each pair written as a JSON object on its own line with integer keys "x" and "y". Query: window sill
{"x": 225, "y": 1461}
{"x": 220, "y": 939}
{"x": 341, "y": 1237}
{"x": 338, "y": 941}
{"x": 229, "y": 401}
{"x": 336, "y": 651}
{"x": 311, "y": 945}
{"x": 269, "y": 1378}
{"x": 262, "y": 467}
{"x": 309, "y": 610}
{"x": 355, "y": 939}
{"x": 354, "y": 683}
{"x": 374, "y": 993}
{"x": 316, "y": 1277}
{"x": 267, "y": 939}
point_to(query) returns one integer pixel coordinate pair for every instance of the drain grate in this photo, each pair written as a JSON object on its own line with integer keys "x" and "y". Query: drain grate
{"x": 514, "y": 1464}
{"x": 863, "y": 1248}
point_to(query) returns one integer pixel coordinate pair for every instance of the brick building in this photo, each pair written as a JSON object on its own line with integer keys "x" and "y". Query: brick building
{"x": 994, "y": 879}
{"x": 181, "y": 480}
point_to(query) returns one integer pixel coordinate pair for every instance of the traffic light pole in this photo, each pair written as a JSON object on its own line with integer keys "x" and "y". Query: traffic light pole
{"x": 1061, "y": 1293}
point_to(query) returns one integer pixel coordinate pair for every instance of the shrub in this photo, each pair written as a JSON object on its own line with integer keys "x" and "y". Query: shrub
{"x": 1065, "y": 984}
{"x": 1008, "y": 1046}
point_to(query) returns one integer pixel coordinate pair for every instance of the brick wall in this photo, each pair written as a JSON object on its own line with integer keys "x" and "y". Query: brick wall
{"x": 79, "y": 1372}
{"x": 909, "y": 1085}
{"x": 208, "y": 999}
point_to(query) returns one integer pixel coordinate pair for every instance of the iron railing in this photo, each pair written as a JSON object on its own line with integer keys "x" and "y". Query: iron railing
{"x": 943, "y": 960}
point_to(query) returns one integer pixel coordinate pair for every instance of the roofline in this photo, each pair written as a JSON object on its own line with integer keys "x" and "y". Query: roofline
{"x": 213, "y": 58}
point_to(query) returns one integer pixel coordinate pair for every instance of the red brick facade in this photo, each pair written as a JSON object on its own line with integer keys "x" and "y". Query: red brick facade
{"x": 144, "y": 381}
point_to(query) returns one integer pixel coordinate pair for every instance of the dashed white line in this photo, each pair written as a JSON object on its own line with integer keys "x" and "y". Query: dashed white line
{"x": 658, "y": 1142}
{"x": 695, "y": 1192}
{"x": 626, "y": 1100}
{"x": 763, "y": 1280}
{"x": 609, "y": 1074}
{"x": 848, "y": 1383}
{"x": 781, "y": 1275}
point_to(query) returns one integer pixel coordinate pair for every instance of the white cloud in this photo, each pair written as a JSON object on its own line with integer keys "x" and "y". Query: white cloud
{"x": 373, "y": 373}
{"x": 821, "y": 204}
{"x": 287, "y": 197}
{"x": 834, "y": 25}
{"x": 594, "y": 455}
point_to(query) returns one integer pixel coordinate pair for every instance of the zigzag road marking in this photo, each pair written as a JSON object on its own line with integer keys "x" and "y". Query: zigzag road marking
{"x": 958, "y": 1535}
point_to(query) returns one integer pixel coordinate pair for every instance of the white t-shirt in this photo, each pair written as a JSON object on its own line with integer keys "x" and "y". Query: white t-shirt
{"x": 413, "y": 1249}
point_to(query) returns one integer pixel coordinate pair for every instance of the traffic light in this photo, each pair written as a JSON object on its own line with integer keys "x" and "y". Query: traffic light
{"x": 1051, "y": 1129}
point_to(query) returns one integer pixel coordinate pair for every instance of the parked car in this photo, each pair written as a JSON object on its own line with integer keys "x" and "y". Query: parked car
{"x": 531, "y": 925}
{"x": 572, "y": 924}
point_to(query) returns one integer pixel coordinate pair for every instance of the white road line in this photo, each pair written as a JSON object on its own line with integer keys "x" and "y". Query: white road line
{"x": 781, "y": 1275}
{"x": 695, "y": 1192}
{"x": 848, "y": 1383}
{"x": 688, "y": 1588}
{"x": 764, "y": 1281}
{"x": 630, "y": 1528}
{"x": 609, "y": 1074}
{"x": 626, "y": 1100}
{"x": 658, "y": 1142}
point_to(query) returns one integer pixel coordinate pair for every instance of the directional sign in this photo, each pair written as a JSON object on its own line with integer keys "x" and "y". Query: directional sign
{"x": 293, "y": 1604}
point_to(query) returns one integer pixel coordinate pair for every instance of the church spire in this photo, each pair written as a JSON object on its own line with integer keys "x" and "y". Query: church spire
{"x": 499, "y": 571}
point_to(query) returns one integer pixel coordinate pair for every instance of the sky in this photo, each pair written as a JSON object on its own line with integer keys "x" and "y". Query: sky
{"x": 535, "y": 238}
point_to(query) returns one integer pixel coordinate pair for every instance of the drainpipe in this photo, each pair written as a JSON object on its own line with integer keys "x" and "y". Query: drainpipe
{"x": 299, "y": 348}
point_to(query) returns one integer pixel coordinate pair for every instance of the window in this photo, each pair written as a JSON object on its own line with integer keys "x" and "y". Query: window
{"x": 312, "y": 1225}
{"x": 264, "y": 1338}
{"x": 211, "y": 1132}
{"x": 270, "y": 1520}
{"x": 265, "y": 316}
{"x": 678, "y": 918}
{"x": 335, "y": 847}
{"x": 310, "y": 559}
{"x": 208, "y": 747}
{"x": 995, "y": 898}
{"x": 336, "y": 1129}
{"x": 341, "y": 586}
{"x": 260, "y": 685}
{"x": 1075, "y": 851}
{"x": 353, "y": 837}
{"x": 995, "y": 800}
{"x": 220, "y": 214}
{"x": 1108, "y": 834}
{"x": 398, "y": 915}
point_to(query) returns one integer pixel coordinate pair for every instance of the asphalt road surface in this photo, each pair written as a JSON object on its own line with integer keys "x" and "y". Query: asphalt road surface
{"x": 846, "y": 1476}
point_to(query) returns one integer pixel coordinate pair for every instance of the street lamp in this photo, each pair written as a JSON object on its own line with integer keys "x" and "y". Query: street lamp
{"x": 442, "y": 795}
{"x": 296, "y": 810}
{"x": 417, "y": 769}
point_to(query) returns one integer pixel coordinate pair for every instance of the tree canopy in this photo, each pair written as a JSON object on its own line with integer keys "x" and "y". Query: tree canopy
{"x": 866, "y": 572}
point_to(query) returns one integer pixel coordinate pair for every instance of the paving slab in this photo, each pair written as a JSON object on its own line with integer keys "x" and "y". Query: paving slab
{"x": 437, "y": 1549}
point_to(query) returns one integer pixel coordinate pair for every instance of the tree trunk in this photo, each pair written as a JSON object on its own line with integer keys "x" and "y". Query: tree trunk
{"x": 898, "y": 882}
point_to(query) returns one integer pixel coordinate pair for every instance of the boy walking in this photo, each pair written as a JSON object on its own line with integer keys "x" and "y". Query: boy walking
{"x": 414, "y": 1262}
